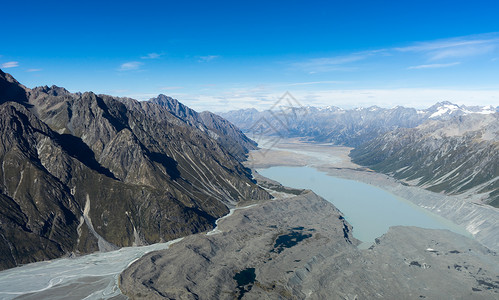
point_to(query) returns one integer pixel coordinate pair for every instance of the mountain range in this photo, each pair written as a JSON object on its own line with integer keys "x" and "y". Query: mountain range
{"x": 445, "y": 148}
{"x": 455, "y": 156}
{"x": 332, "y": 124}
{"x": 82, "y": 172}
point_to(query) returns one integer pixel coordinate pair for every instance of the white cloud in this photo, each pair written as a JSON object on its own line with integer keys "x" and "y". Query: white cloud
{"x": 410, "y": 97}
{"x": 152, "y": 56}
{"x": 129, "y": 66}
{"x": 141, "y": 96}
{"x": 466, "y": 46}
{"x": 169, "y": 88}
{"x": 316, "y": 82}
{"x": 33, "y": 70}
{"x": 442, "y": 44}
{"x": 207, "y": 58}
{"x": 459, "y": 47}
{"x": 335, "y": 63}
{"x": 262, "y": 99}
{"x": 465, "y": 51}
{"x": 10, "y": 64}
{"x": 325, "y": 64}
{"x": 434, "y": 66}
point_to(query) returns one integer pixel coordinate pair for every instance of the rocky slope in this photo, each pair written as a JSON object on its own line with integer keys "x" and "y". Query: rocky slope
{"x": 455, "y": 156}
{"x": 302, "y": 248}
{"x": 342, "y": 127}
{"x": 84, "y": 172}
{"x": 218, "y": 128}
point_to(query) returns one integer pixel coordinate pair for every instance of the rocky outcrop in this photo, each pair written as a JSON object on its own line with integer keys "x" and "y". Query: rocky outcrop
{"x": 32, "y": 227}
{"x": 228, "y": 135}
{"x": 456, "y": 156}
{"x": 83, "y": 172}
{"x": 302, "y": 248}
{"x": 11, "y": 89}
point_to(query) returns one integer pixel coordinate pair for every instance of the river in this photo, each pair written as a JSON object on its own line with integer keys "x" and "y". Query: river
{"x": 93, "y": 276}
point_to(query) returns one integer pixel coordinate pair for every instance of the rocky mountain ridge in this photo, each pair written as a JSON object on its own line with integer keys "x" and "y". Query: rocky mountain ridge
{"x": 83, "y": 172}
{"x": 218, "y": 128}
{"x": 334, "y": 125}
{"x": 455, "y": 156}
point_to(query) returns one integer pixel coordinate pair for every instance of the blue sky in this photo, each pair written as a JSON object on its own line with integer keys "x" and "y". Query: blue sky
{"x": 223, "y": 55}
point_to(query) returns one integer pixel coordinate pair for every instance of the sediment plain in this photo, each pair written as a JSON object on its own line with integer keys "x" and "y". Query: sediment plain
{"x": 299, "y": 246}
{"x": 466, "y": 210}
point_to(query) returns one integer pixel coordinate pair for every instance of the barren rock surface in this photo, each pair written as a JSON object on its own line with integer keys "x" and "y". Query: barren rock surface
{"x": 301, "y": 247}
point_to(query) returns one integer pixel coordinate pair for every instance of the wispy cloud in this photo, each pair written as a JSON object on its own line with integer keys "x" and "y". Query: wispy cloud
{"x": 464, "y": 51}
{"x": 33, "y": 70}
{"x": 141, "y": 96}
{"x": 129, "y": 66}
{"x": 335, "y": 63}
{"x": 434, "y": 66}
{"x": 207, "y": 58}
{"x": 10, "y": 64}
{"x": 120, "y": 91}
{"x": 169, "y": 88}
{"x": 152, "y": 56}
{"x": 315, "y": 83}
{"x": 442, "y": 44}
{"x": 466, "y": 46}
{"x": 344, "y": 98}
{"x": 430, "y": 51}
{"x": 325, "y": 64}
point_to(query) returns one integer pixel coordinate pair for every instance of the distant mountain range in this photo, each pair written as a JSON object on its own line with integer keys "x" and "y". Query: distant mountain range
{"x": 351, "y": 127}
{"x": 444, "y": 148}
{"x": 82, "y": 172}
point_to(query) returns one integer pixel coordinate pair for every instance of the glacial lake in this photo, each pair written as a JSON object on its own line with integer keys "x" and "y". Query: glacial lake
{"x": 369, "y": 209}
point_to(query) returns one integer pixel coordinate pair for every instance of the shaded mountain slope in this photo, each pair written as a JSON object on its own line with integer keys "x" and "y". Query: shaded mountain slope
{"x": 460, "y": 155}
{"x": 215, "y": 126}
{"x": 83, "y": 172}
{"x": 11, "y": 89}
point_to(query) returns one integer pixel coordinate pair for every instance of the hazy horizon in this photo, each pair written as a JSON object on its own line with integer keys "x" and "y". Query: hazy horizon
{"x": 225, "y": 55}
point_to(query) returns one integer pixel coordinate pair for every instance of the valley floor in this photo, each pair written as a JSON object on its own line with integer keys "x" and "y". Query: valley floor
{"x": 299, "y": 246}
{"x": 467, "y": 211}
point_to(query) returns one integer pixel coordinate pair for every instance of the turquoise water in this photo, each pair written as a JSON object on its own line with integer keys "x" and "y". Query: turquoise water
{"x": 369, "y": 209}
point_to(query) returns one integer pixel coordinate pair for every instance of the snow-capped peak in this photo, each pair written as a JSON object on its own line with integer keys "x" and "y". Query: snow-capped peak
{"x": 445, "y": 109}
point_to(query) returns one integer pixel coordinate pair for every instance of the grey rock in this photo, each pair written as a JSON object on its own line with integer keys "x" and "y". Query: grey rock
{"x": 351, "y": 127}
{"x": 455, "y": 156}
{"x": 217, "y": 127}
{"x": 302, "y": 248}
{"x": 86, "y": 172}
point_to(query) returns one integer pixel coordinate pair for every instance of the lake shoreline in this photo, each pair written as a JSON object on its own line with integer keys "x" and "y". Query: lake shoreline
{"x": 476, "y": 218}
{"x": 303, "y": 279}
{"x": 301, "y": 247}
{"x": 369, "y": 209}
